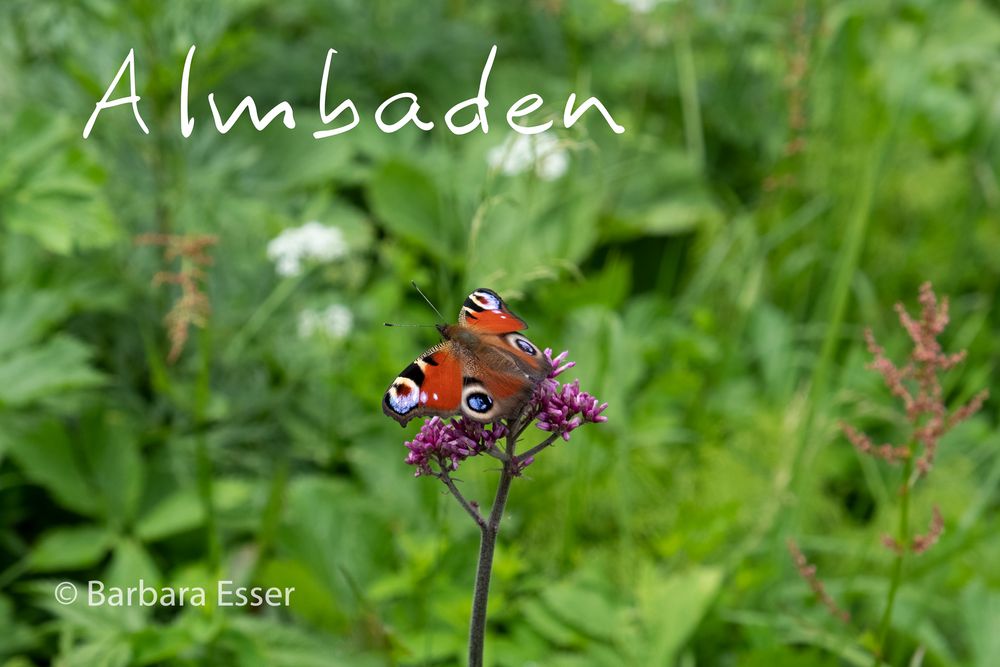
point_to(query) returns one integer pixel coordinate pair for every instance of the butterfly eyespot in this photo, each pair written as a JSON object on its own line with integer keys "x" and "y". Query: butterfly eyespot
{"x": 523, "y": 344}
{"x": 402, "y": 396}
{"x": 479, "y": 402}
{"x": 483, "y": 299}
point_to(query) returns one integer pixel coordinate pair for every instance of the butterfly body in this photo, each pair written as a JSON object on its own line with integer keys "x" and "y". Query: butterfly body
{"x": 483, "y": 369}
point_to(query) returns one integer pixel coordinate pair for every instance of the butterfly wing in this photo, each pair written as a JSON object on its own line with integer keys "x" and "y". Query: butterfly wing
{"x": 525, "y": 355}
{"x": 485, "y": 312}
{"x": 496, "y": 385}
{"x": 431, "y": 385}
{"x": 502, "y": 368}
{"x": 500, "y": 376}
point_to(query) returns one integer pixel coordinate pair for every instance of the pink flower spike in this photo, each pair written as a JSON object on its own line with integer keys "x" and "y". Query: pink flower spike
{"x": 918, "y": 384}
{"x": 891, "y": 544}
{"x": 808, "y": 572}
{"x": 921, "y": 543}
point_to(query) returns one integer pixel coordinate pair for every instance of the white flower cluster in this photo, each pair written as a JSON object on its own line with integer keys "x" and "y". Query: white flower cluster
{"x": 639, "y": 6}
{"x": 520, "y": 152}
{"x": 312, "y": 241}
{"x": 334, "y": 321}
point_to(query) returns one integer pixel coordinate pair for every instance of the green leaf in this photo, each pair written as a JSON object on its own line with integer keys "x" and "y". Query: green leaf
{"x": 25, "y": 316}
{"x": 113, "y": 463}
{"x": 95, "y": 621}
{"x": 70, "y": 549}
{"x": 671, "y": 608}
{"x": 585, "y": 609}
{"x": 671, "y": 217}
{"x": 543, "y": 621}
{"x": 58, "y": 365}
{"x": 284, "y": 645}
{"x": 156, "y": 644}
{"x": 55, "y": 195}
{"x": 561, "y": 225}
{"x": 309, "y": 601}
{"x": 14, "y": 636}
{"x": 62, "y": 218}
{"x": 177, "y": 513}
{"x": 406, "y": 200}
{"x": 45, "y": 454}
{"x": 335, "y": 533}
{"x": 108, "y": 651}
{"x": 981, "y": 619}
{"x": 771, "y": 338}
{"x": 131, "y": 562}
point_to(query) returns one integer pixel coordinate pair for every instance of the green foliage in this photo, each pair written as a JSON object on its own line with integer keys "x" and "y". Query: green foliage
{"x": 789, "y": 170}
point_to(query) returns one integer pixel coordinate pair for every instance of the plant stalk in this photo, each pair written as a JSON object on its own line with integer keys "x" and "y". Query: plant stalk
{"x": 203, "y": 460}
{"x": 902, "y": 542}
{"x": 487, "y": 545}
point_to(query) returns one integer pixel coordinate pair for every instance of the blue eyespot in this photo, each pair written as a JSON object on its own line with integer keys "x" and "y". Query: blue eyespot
{"x": 525, "y": 346}
{"x": 479, "y": 402}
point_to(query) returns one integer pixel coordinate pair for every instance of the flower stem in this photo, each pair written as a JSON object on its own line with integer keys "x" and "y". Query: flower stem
{"x": 466, "y": 505}
{"x": 902, "y": 543}
{"x": 487, "y": 545}
{"x": 203, "y": 459}
{"x": 521, "y": 458}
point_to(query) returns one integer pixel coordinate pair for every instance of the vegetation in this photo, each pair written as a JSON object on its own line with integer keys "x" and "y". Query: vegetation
{"x": 190, "y": 371}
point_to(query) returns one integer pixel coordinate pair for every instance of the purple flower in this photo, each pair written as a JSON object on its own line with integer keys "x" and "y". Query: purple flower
{"x": 568, "y": 408}
{"x": 449, "y": 443}
{"x": 561, "y": 408}
{"x": 555, "y": 407}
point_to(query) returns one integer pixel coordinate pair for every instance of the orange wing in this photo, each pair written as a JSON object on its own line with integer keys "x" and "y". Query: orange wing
{"x": 499, "y": 381}
{"x": 431, "y": 385}
{"x": 485, "y": 312}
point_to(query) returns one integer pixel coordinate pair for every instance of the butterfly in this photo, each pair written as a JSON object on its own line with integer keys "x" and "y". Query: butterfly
{"x": 484, "y": 369}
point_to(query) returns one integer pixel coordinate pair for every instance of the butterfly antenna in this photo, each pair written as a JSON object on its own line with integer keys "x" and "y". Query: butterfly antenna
{"x": 433, "y": 307}
{"x": 393, "y": 324}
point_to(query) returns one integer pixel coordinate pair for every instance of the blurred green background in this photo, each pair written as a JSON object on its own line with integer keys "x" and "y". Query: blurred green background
{"x": 789, "y": 170}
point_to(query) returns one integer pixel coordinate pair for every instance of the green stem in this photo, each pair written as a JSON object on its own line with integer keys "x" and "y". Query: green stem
{"x": 466, "y": 505}
{"x": 687, "y": 76}
{"x": 260, "y": 316}
{"x": 203, "y": 458}
{"x": 272, "y": 513}
{"x": 902, "y": 543}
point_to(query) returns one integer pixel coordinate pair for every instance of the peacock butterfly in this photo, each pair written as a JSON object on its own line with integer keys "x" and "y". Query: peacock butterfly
{"x": 483, "y": 369}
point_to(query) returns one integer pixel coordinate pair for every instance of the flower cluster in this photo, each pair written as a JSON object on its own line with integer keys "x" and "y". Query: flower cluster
{"x": 639, "y": 6}
{"x": 540, "y": 152}
{"x": 863, "y": 443}
{"x": 448, "y": 443}
{"x": 315, "y": 241}
{"x": 918, "y": 384}
{"x": 808, "y": 572}
{"x": 335, "y": 321}
{"x": 192, "y": 307}
{"x": 558, "y": 408}
{"x": 922, "y": 543}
